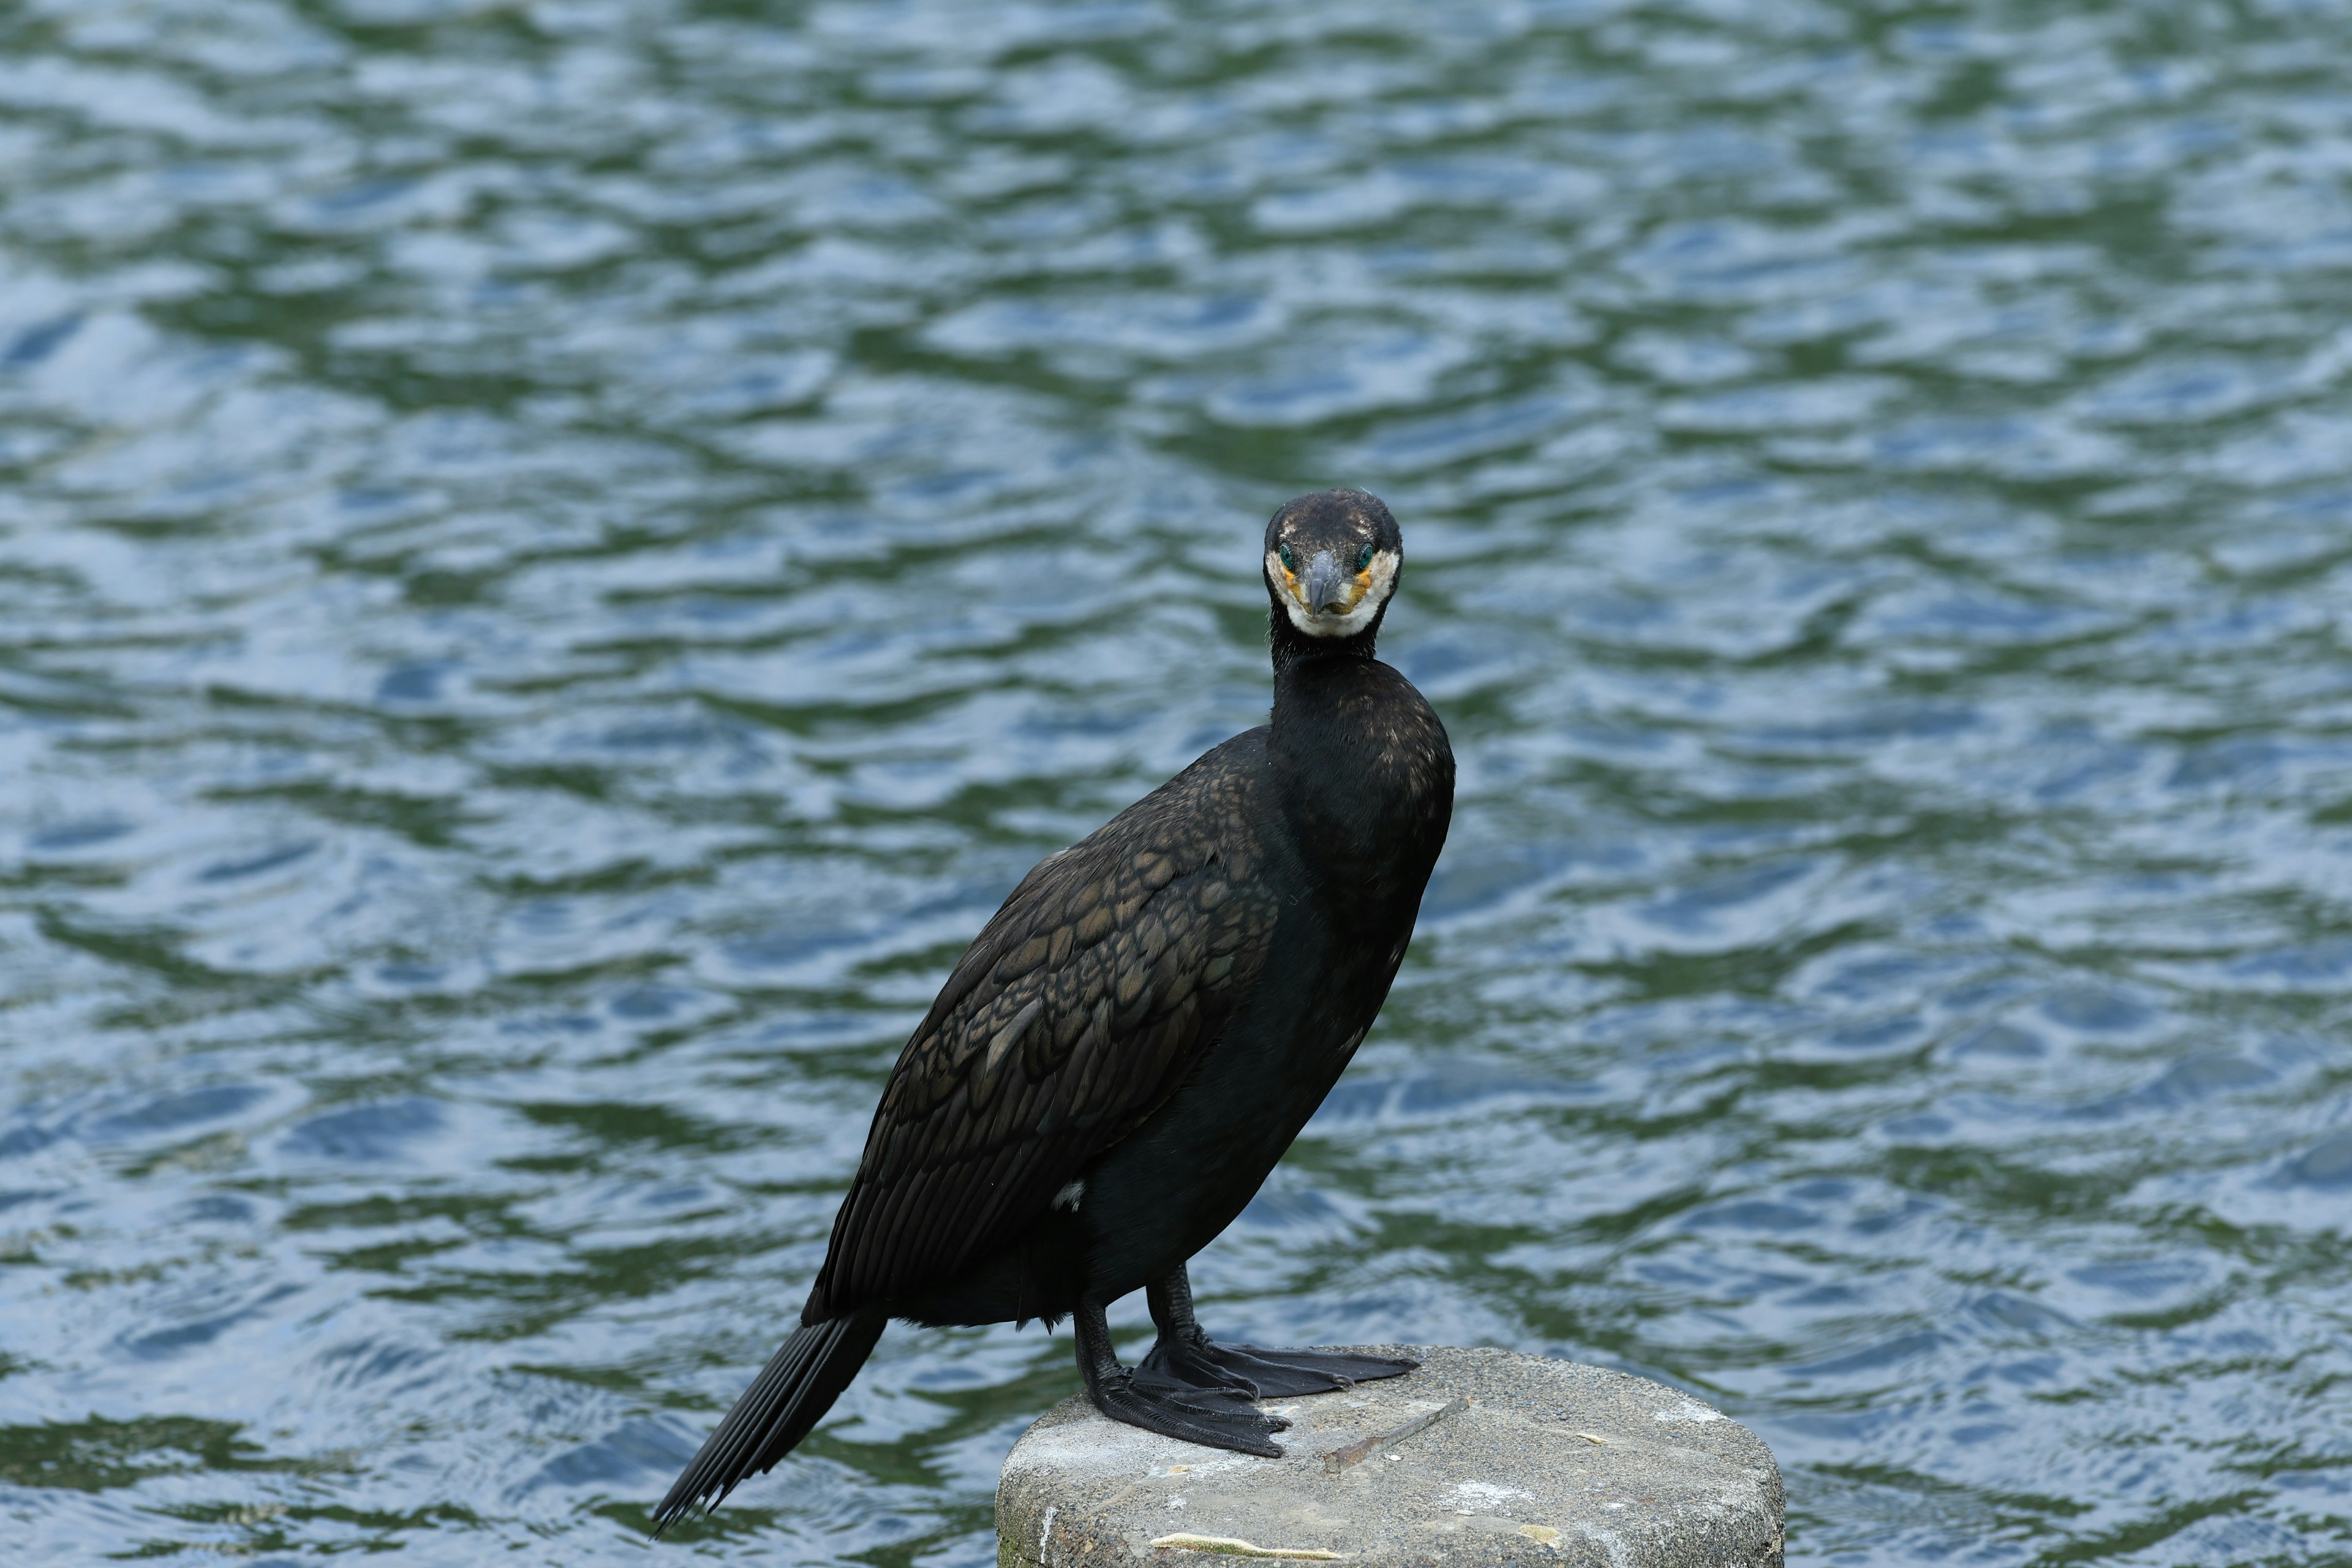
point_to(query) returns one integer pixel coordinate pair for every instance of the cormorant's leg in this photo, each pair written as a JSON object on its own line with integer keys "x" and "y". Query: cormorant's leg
{"x": 1215, "y": 1417}
{"x": 1189, "y": 1356}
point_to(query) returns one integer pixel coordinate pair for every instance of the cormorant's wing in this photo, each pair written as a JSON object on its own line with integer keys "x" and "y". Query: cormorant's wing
{"x": 1072, "y": 1016}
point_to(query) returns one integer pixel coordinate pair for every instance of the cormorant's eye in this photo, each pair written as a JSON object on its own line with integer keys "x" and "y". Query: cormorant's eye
{"x": 1364, "y": 558}
{"x": 1290, "y": 561}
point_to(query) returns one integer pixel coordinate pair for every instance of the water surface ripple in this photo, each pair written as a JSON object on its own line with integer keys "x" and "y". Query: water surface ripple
{"x": 557, "y": 558}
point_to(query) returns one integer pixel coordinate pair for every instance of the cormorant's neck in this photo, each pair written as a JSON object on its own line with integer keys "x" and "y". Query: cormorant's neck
{"x": 1292, "y": 647}
{"x": 1363, "y": 773}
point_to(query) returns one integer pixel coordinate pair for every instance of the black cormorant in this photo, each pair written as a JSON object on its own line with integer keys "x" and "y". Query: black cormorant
{"x": 1136, "y": 1037}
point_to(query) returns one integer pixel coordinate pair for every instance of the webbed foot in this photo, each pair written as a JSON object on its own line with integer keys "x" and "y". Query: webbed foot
{"x": 1214, "y": 1418}
{"x": 1265, "y": 1374}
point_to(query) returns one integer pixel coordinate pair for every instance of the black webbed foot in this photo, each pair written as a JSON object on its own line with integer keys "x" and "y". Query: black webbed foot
{"x": 1266, "y": 1374}
{"x": 1215, "y": 1417}
{"x": 1189, "y": 1356}
{"x": 1197, "y": 1363}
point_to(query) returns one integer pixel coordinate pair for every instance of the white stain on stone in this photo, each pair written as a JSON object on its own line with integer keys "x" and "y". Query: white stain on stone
{"x": 1688, "y": 1410}
{"x": 1609, "y": 1541}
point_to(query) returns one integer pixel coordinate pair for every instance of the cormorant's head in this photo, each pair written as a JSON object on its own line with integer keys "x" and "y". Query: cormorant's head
{"x": 1331, "y": 562}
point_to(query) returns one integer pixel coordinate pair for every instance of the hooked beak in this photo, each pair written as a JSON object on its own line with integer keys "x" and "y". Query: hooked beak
{"x": 1325, "y": 587}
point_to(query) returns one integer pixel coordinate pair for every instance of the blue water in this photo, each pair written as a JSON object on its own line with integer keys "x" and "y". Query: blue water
{"x": 556, "y": 559}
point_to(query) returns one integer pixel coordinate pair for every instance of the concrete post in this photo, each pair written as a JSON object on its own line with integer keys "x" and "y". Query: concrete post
{"x": 1483, "y": 1457}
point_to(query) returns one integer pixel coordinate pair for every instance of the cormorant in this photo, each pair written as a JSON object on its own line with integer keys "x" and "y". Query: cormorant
{"x": 1132, "y": 1041}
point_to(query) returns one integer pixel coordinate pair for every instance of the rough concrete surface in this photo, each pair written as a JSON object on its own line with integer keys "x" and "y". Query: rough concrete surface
{"x": 1514, "y": 1477}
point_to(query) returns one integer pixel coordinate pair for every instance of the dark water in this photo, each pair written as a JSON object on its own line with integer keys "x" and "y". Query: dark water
{"x": 556, "y": 559}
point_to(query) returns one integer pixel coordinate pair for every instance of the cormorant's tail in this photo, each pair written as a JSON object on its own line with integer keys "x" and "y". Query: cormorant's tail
{"x": 799, "y": 1385}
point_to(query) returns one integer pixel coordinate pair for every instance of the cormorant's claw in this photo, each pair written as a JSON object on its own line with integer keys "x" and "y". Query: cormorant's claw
{"x": 1266, "y": 1374}
{"x": 1212, "y": 1417}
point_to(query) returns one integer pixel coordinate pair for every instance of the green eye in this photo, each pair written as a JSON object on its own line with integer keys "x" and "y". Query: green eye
{"x": 1364, "y": 558}
{"x": 1290, "y": 561}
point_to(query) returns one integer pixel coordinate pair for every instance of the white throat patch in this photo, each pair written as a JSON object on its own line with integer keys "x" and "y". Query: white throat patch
{"x": 1371, "y": 588}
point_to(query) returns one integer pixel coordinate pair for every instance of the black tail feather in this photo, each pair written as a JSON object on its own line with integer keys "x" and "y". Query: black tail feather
{"x": 791, "y": 1394}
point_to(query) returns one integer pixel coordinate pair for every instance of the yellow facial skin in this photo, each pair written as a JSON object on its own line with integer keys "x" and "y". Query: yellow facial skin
{"x": 1360, "y": 585}
{"x": 1365, "y": 592}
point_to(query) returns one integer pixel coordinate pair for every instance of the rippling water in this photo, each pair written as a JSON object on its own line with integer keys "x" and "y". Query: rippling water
{"x": 555, "y": 560}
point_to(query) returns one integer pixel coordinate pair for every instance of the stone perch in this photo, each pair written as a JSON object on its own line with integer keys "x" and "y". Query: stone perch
{"x": 1483, "y": 1457}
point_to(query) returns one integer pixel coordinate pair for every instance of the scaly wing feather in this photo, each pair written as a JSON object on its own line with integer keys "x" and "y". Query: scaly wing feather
{"x": 1076, "y": 1011}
